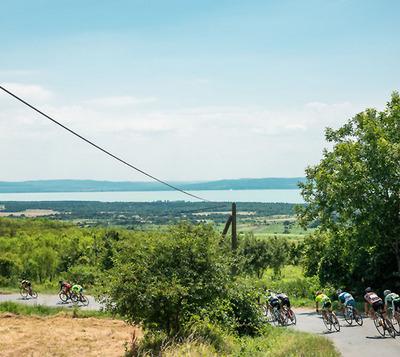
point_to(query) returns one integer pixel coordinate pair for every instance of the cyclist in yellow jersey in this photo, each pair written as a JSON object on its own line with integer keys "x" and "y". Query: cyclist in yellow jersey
{"x": 26, "y": 284}
{"x": 325, "y": 303}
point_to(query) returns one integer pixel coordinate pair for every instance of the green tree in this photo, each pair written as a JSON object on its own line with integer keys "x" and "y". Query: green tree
{"x": 163, "y": 280}
{"x": 254, "y": 255}
{"x": 354, "y": 194}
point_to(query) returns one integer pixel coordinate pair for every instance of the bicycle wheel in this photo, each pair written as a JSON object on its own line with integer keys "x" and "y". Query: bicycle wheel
{"x": 23, "y": 293}
{"x": 276, "y": 319}
{"x": 348, "y": 316}
{"x": 357, "y": 317}
{"x": 292, "y": 317}
{"x": 327, "y": 322}
{"x": 84, "y": 300}
{"x": 335, "y": 322}
{"x": 33, "y": 293}
{"x": 390, "y": 329}
{"x": 63, "y": 296}
{"x": 395, "y": 324}
{"x": 378, "y": 322}
{"x": 74, "y": 299}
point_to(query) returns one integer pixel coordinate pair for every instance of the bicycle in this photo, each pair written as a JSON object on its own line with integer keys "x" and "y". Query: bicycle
{"x": 290, "y": 315}
{"x": 331, "y": 320}
{"x": 80, "y": 298}
{"x": 382, "y": 325}
{"x": 352, "y": 314}
{"x": 25, "y": 292}
{"x": 394, "y": 316}
{"x": 279, "y": 318}
{"x": 65, "y": 296}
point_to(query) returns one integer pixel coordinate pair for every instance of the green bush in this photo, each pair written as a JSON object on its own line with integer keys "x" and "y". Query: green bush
{"x": 4, "y": 281}
{"x": 83, "y": 275}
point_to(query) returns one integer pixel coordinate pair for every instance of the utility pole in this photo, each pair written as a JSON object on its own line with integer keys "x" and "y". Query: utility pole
{"x": 232, "y": 220}
{"x": 234, "y": 241}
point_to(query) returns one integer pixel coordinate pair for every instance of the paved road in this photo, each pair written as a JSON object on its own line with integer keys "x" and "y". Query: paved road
{"x": 354, "y": 341}
{"x": 49, "y": 300}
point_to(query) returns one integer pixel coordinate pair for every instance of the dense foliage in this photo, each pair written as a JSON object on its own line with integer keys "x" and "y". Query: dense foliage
{"x": 255, "y": 255}
{"x": 46, "y": 250}
{"x": 168, "y": 280}
{"x": 354, "y": 194}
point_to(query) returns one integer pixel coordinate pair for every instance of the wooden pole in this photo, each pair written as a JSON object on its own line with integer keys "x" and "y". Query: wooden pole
{"x": 234, "y": 241}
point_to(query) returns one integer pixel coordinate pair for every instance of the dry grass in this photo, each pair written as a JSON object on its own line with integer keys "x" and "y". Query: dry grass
{"x": 63, "y": 336}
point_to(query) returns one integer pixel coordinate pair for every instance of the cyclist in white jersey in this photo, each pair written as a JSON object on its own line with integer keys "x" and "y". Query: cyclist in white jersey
{"x": 394, "y": 299}
{"x": 346, "y": 298}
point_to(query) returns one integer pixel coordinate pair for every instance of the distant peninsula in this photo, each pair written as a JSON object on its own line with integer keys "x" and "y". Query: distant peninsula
{"x": 271, "y": 183}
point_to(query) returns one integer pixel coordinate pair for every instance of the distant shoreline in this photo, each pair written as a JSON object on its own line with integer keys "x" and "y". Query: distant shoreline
{"x": 65, "y": 186}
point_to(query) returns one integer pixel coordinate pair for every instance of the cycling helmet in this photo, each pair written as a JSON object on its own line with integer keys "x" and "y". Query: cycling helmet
{"x": 319, "y": 292}
{"x": 60, "y": 282}
{"x": 368, "y": 290}
{"x": 339, "y": 291}
{"x": 386, "y": 292}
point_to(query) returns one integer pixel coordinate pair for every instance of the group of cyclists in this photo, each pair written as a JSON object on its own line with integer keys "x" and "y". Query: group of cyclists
{"x": 374, "y": 306}
{"x": 377, "y": 305}
{"x": 278, "y": 306}
{"x": 70, "y": 290}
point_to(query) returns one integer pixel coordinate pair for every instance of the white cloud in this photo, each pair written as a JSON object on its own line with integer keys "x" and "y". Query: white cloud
{"x": 122, "y": 101}
{"x": 191, "y": 143}
{"x": 28, "y": 91}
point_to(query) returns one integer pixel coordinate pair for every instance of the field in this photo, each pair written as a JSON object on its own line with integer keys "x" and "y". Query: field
{"x": 63, "y": 336}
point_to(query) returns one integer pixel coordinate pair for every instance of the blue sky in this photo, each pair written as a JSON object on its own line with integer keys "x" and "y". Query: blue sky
{"x": 188, "y": 90}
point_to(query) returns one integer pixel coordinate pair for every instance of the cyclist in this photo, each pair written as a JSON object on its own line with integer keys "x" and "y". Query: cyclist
{"x": 346, "y": 298}
{"x": 65, "y": 286}
{"x": 284, "y": 300}
{"x": 272, "y": 301}
{"x": 77, "y": 290}
{"x": 325, "y": 301}
{"x": 376, "y": 303}
{"x": 395, "y": 300}
{"x": 26, "y": 284}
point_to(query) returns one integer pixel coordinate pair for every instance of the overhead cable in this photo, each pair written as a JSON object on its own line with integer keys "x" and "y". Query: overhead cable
{"x": 101, "y": 149}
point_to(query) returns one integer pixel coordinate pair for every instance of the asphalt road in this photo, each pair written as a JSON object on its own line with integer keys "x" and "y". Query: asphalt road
{"x": 354, "y": 340}
{"x": 49, "y": 300}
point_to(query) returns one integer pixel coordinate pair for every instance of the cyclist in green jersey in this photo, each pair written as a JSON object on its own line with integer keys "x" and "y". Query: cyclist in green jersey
{"x": 395, "y": 300}
{"x": 325, "y": 303}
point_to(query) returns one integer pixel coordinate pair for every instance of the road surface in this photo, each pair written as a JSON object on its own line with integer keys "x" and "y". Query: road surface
{"x": 49, "y": 300}
{"x": 354, "y": 340}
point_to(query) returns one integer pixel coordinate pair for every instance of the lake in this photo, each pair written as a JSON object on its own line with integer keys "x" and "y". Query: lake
{"x": 288, "y": 196}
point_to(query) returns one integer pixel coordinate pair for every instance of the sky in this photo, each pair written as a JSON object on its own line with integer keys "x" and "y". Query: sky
{"x": 184, "y": 90}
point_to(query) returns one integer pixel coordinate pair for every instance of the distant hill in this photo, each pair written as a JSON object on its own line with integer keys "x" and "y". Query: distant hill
{"x": 110, "y": 186}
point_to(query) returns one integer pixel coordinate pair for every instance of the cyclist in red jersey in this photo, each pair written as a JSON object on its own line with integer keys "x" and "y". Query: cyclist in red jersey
{"x": 65, "y": 286}
{"x": 375, "y": 301}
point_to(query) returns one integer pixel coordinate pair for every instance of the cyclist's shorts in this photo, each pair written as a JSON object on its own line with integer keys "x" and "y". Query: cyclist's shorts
{"x": 285, "y": 302}
{"x": 351, "y": 302}
{"x": 378, "y": 306}
{"x": 275, "y": 303}
{"x": 326, "y": 305}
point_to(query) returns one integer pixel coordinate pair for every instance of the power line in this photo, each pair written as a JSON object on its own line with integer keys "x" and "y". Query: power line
{"x": 101, "y": 149}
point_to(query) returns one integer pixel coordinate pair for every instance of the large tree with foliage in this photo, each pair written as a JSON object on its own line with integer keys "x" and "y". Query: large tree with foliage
{"x": 170, "y": 279}
{"x": 354, "y": 193}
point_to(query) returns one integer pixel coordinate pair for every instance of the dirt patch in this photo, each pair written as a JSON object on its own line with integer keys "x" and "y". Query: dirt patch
{"x": 62, "y": 336}
{"x": 30, "y": 213}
